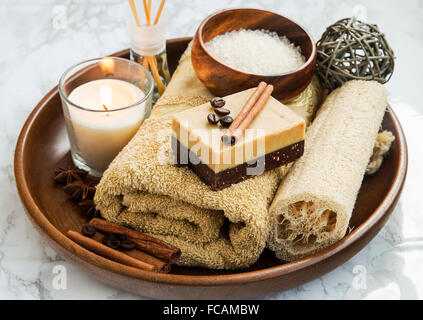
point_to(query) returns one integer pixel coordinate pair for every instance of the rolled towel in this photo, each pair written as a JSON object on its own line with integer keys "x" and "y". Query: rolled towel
{"x": 141, "y": 190}
{"x": 313, "y": 205}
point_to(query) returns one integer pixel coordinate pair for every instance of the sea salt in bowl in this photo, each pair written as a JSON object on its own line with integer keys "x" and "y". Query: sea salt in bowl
{"x": 222, "y": 79}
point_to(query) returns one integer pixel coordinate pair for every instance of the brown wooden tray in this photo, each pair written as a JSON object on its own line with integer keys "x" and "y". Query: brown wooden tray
{"x": 43, "y": 146}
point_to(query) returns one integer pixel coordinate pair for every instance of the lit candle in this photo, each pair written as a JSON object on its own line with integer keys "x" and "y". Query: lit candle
{"x": 101, "y": 134}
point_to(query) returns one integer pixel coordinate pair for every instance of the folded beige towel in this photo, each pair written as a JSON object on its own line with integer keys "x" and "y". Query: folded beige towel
{"x": 222, "y": 230}
{"x": 314, "y": 203}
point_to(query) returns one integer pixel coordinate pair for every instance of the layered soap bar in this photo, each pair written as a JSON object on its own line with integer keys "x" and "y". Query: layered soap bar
{"x": 274, "y": 138}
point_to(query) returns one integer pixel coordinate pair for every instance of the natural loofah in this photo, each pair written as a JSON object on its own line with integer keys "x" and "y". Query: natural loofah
{"x": 313, "y": 205}
{"x": 382, "y": 145}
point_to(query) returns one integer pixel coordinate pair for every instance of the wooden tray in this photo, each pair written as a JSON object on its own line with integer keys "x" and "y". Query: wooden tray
{"x": 43, "y": 146}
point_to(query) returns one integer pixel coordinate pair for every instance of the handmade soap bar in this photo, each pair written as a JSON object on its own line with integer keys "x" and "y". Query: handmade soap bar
{"x": 274, "y": 138}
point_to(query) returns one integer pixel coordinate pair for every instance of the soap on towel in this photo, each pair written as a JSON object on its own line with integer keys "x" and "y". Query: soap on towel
{"x": 276, "y": 138}
{"x": 313, "y": 205}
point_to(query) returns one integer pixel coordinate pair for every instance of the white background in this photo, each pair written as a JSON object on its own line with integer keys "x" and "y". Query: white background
{"x": 36, "y": 48}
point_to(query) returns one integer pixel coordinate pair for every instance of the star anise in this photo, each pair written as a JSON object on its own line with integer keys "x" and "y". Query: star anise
{"x": 88, "y": 207}
{"x": 66, "y": 176}
{"x": 91, "y": 180}
{"x": 78, "y": 190}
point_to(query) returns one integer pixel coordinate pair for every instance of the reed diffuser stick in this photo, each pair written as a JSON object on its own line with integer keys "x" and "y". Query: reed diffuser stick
{"x": 156, "y": 76}
{"x": 147, "y": 12}
{"x": 159, "y": 11}
{"x": 134, "y": 12}
{"x": 149, "y": 9}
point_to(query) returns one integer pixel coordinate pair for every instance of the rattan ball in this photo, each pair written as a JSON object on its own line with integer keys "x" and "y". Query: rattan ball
{"x": 353, "y": 50}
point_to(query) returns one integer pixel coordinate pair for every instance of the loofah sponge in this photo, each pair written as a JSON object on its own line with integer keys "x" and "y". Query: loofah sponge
{"x": 313, "y": 205}
{"x": 382, "y": 145}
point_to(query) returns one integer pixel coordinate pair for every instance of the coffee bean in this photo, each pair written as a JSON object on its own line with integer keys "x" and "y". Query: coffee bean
{"x": 217, "y": 102}
{"x": 108, "y": 237}
{"x": 212, "y": 118}
{"x": 120, "y": 237}
{"x": 222, "y": 112}
{"x": 226, "y": 121}
{"x": 112, "y": 243}
{"x": 88, "y": 231}
{"x": 127, "y": 245}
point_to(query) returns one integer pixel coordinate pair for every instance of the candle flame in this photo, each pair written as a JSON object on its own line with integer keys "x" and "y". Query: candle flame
{"x": 106, "y": 97}
{"x": 107, "y": 65}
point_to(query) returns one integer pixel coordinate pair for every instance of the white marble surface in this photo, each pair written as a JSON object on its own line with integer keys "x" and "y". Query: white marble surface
{"x": 36, "y": 48}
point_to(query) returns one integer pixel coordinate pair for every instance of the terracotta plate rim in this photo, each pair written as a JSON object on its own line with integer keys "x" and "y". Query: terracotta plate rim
{"x": 49, "y": 230}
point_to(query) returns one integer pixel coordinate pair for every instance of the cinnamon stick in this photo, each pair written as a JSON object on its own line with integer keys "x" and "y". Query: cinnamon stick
{"x": 157, "y": 250}
{"x": 109, "y": 253}
{"x": 236, "y": 133}
{"x": 110, "y": 227}
{"x": 160, "y": 265}
{"x": 227, "y": 136}
{"x": 151, "y": 245}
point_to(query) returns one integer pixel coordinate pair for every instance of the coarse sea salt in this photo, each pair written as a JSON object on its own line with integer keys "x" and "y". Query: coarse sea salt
{"x": 256, "y": 51}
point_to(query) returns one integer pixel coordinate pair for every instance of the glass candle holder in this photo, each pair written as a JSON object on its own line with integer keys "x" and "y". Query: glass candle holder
{"x": 104, "y": 100}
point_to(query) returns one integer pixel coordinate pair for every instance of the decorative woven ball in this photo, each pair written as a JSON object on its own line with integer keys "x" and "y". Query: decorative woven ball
{"x": 353, "y": 50}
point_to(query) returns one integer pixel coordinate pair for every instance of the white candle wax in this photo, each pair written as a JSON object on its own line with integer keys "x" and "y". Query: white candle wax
{"x": 99, "y": 136}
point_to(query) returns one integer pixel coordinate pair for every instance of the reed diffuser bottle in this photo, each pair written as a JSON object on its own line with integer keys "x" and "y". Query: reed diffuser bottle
{"x": 148, "y": 41}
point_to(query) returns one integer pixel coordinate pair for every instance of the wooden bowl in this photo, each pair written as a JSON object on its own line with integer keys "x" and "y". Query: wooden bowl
{"x": 222, "y": 79}
{"x": 43, "y": 146}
